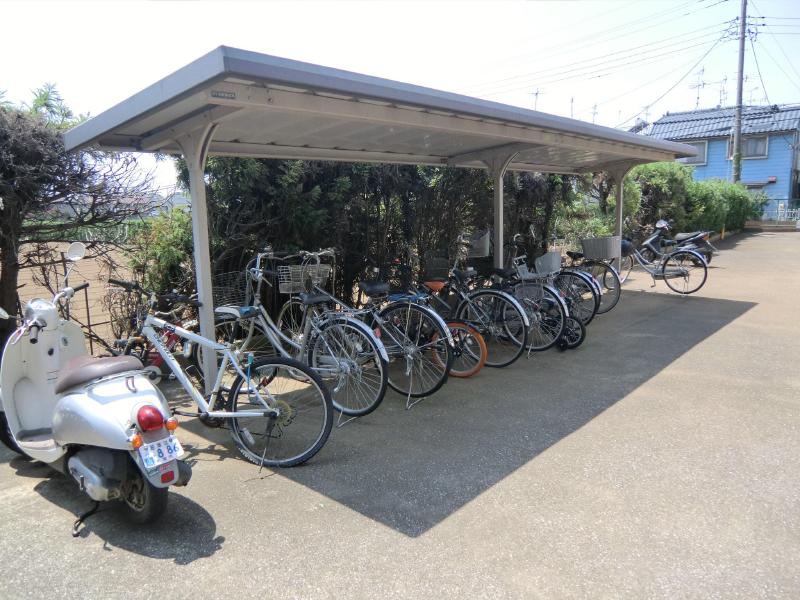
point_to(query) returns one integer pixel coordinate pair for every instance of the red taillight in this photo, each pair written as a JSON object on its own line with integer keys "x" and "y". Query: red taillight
{"x": 149, "y": 418}
{"x": 167, "y": 477}
{"x": 705, "y": 237}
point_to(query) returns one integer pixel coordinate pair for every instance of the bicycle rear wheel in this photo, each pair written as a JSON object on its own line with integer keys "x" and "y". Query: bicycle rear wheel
{"x": 545, "y": 312}
{"x": 625, "y": 267}
{"x": 684, "y": 272}
{"x": 419, "y": 351}
{"x": 469, "y": 350}
{"x": 350, "y": 363}
{"x": 304, "y": 413}
{"x": 501, "y": 323}
{"x": 583, "y": 300}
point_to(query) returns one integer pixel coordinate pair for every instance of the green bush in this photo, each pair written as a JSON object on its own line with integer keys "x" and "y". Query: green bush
{"x": 162, "y": 255}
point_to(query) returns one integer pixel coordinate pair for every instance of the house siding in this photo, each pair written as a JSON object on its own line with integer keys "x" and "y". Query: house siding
{"x": 778, "y": 163}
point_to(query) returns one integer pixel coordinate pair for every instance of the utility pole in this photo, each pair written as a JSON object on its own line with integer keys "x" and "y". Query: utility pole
{"x": 594, "y": 113}
{"x": 572, "y": 107}
{"x": 737, "y": 113}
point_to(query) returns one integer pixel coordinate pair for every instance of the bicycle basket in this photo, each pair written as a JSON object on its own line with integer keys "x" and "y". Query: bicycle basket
{"x": 549, "y": 262}
{"x": 292, "y": 278}
{"x": 602, "y": 248}
{"x": 479, "y": 245}
{"x": 230, "y": 289}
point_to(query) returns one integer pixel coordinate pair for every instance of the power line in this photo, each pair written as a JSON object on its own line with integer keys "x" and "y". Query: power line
{"x": 677, "y": 83}
{"x": 562, "y": 68}
{"x": 601, "y": 37}
{"x": 593, "y": 73}
{"x": 780, "y": 47}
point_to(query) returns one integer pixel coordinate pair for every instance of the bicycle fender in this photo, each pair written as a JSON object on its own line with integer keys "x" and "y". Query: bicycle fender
{"x": 431, "y": 313}
{"x": 588, "y": 278}
{"x": 695, "y": 253}
{"x": 362, "y": 327}
{"x": 525, "y": 320}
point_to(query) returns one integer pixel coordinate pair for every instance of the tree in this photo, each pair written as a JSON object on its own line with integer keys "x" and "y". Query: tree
{"x": 50, "y": 195}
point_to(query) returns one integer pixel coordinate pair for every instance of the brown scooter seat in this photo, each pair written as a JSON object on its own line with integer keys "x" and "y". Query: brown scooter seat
{"x": 86, "y": 368}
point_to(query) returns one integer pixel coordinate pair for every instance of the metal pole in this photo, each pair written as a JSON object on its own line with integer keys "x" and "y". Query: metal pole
{"x": 619, "y": 188}
{"x": 737, "y": 114}
{"x": 497, "y": 175}
{"x": 195, "y": 149}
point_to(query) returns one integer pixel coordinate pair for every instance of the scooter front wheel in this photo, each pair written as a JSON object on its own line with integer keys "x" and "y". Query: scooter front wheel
{"x": 142, "y": 502}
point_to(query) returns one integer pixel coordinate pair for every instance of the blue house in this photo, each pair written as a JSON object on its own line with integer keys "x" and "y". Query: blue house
{"x": 770, "y": 143}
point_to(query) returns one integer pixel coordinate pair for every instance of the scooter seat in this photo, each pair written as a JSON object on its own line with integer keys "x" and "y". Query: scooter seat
{"x": 86, "y": 368}
{"x": 685, "y": 236}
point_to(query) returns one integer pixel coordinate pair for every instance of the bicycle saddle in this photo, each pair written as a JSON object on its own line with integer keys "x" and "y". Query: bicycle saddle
{"x": 465, "y": 275}
{"x": 504, "y": 273}
{"x": 574, "y": 255}
{"x": 373, "y": 288}
{"x": 435, "y": 285}
{"x": 309, "y": 299}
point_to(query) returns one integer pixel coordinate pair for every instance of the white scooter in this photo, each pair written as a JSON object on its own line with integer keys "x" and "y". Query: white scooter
{"x": 100, "y": 420}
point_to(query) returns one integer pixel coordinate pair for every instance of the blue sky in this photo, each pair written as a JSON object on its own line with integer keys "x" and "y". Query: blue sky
{"x": 608, "y": 61}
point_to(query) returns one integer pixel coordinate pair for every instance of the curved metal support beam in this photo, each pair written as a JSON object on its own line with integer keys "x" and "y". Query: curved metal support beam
{"x": 194, "y": 146}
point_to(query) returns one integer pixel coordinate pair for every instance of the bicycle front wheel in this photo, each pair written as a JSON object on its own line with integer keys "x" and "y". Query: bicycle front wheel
{"x": 610, "y": 284}
{"x": 501, "y": 323}
{"x": 418, "y": 349}
{"x": 684, "y": 272}
{"x": 298, "y": 415}
{"x": 350, "y": 363}
{"x": 625, "y": 267}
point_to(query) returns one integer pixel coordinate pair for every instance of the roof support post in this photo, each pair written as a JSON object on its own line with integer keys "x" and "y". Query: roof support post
{"x": 618, "y": 173}
{"x": 498, "y": 165}
{"x": 194, "y": 147}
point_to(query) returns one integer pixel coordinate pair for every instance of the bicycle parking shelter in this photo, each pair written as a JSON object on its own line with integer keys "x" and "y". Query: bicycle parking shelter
{"x": 233, "y": 102}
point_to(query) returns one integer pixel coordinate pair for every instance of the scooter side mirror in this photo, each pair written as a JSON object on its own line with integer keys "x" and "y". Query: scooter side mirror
{"x": 76, "y": 251}
{"x": 3, "y": 314}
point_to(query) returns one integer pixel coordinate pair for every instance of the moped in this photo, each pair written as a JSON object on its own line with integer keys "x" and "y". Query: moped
{"x": 99, "y": 420}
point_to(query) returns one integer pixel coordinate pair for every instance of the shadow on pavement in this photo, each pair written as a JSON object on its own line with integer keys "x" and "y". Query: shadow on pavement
{"x": 409, "y": 470}
{"x": 189, "y": 533}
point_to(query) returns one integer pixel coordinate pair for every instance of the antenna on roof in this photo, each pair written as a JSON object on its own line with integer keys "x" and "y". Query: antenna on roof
{"x": 698, "y": 86}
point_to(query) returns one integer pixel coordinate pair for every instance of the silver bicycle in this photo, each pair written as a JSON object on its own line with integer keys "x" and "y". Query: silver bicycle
{"x": 279, "y": 411}
{"x": 342, "y": 350}
{"x": 684, "y": 271}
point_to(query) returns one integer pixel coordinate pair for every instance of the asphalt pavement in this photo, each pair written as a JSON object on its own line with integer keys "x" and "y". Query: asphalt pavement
{"x": 659, "y": 460}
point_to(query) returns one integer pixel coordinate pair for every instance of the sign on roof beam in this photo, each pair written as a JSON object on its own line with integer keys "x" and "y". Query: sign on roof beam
{"x": 162, "y": 137}
{"x": 266, "y": 99}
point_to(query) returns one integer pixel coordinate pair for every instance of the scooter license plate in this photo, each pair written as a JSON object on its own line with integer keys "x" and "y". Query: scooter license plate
{"x": 160, "y": 452}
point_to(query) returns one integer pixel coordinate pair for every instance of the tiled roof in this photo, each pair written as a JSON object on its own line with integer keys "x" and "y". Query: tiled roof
{"x": 718, "y": 122}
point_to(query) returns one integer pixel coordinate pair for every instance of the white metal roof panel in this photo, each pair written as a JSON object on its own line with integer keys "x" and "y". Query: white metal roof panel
{"x": 280, "y": 108}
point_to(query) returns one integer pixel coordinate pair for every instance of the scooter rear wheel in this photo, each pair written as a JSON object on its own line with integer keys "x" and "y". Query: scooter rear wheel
{"x": 142, "y": 502}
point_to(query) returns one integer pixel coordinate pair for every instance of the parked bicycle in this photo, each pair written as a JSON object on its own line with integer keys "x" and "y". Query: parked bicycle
{"x": 279, "y": 411}
{"x": 341, "y": 349}
{"x": 684, "y": 271}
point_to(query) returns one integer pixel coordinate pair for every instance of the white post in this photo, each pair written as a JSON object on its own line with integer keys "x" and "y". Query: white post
{"x": 497, "y": 168}
{"x": 195, "y": 149}
{"x": 619, "y": 180}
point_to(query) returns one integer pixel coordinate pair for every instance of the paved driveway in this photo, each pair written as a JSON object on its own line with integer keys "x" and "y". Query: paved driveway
{"x": 659, "y": 460}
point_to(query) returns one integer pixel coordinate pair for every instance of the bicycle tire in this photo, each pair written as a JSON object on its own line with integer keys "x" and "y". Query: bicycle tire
{"x": 356, "y": 356}
{"x": 469, "y": 350}
{"x": 680, "y": 265}
{"x": 290, "y": 318}
{"x": 574, "y": 334}
{"x": 411, "y": 335}
{"x": 625, "y": 268}
{"x": 546, "y": 314}
{"x": 297, "y": 392}
{"x": 609, "y": 281}
{"x": 583, "y": 300}
{"x": 501, "y": 323}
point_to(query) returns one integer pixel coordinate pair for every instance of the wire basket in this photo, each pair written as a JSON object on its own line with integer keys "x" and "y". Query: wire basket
{"x": 549, "y": 262}
{"x": 292, "y": 278}
{"x": 602, "y": 248}
{"x": 230, "y": 289}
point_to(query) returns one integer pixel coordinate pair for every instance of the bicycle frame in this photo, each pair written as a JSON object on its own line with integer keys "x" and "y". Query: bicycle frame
{"x": 149, "y": 330}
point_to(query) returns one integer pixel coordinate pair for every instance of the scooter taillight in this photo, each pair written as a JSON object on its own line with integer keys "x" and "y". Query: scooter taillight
{"x": 706, "y": 236}
{"x": 149, "y": 418}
